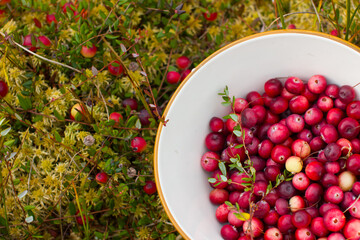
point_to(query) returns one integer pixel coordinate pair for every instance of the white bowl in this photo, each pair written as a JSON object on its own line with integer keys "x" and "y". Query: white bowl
{"x": 243, "y": 66}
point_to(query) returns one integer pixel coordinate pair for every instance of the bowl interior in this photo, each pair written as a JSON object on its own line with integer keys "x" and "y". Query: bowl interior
{"x": 243, "y": 66}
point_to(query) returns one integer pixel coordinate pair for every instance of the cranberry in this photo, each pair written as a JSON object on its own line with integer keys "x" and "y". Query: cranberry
{"x": 356, "y": 188}
{"x": 332, "y": 91}
{"x": 252, "y": 147}
{"x": 210, "y": 16}
{"x": 328, "y": 133}
{"x": 352, "y": 229}
{"x": 209, "y": 161}
{"x": 296, "y": 203}
{"x": 81, "y": 219}
{"x": 219, "y": 183}
{"x": 258, "y": 163}
{"x": 349, "y": 128}
{"x": 345, "y": 146}
{"x": 253, "y": 227}
{"x": 115, "y": 68}
{"x": 214, "y": 141}
{"x": 260, "y": 188}
{"x": 346, "y": 94}
{"x": 353, "y": 164}
{"x": 295, "y": 123}
{"x": 88, "y": 52}
{"x": 332, "y": 152}
{"x": 272, "y": 172}
{"x": 262, "y": 209}
{"x": 285, "y": 224}
{"x": 234, "y": 196}
{"x": 298, "y": 104}
{"x": 282, "y": 206}
{"x": 318, "y": 227}
{"x": 240, "y": 104}
{"x": 101, "y": 178}
{"x": 353, "y": 110}
{"x": 278, "y": 133}
{"x": 237, "y": 180}
{"x": 244, "y": 199}
{"x": 332, "y": 167}
{"x": 291, "y": 26}
{"x": 317, "y": 84}
{"x": 336, "y": 236}
{"x": 294, "y": 85}
{"x": 334, "y": 194}
{"x": 313, "y": 193}
{"x": 218, "y": 196}
{"x": 233, "y": 219}
{"x": 150, "y": 187}
{"x": 334, "y": 220}
{"x": 273, "y": 87}
{"x": 346, "y": 180}
{"x": 273, "y": 234}
{"x": 329, "y": 180}
{"x": 278, "y": 105}
{"x": 222, "y": 213}
{"x": 272, "y": 197}
{"x": 300, "y": 148}
{"x": 286, "y": 94}
{"x": 355, "y": 208}
{"x": 254, "y": 98}
{"x": 216, "y": 124}
{"x": 183, "y": 62}
{"x": 184, "y": 74}
{"x": 300, "y": 181}
{"x": 316, "y": 144}
{"x": 265, "y": 148}
{"x": 280, "y": 153}
{"x": 355, "y": 143}
{"x": 334, "y": 116}
{"x": 339, "y": 104}
{"x": 316, "y": 129}
{"x": 271, "y": 117}
{"x": 173, "y": 77}
{"x": 248, "y": 118}
{"x": 315, "y": 170}
{"x": 301, "y": 219}
{"x": 312, "y": 211}
{"x": 311, "y": 97}
{"x": 286, "y": 190}
{"x": 349, "y": 198}
{"x": 138, "y": 144}
{"x": 132, "y": 103}
{"x": 271, "y": 218}
{"x": 229, "y": 232}
{"x": 3, "y": 89}
{"x": 305, "y": 135}
{"x": 325, "y": 103}
{"x": 144, "y": 117}
{"x": 313, "y": 116}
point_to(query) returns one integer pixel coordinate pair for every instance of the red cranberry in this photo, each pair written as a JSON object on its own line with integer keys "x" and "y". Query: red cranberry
{"x": 222, "y": 213}
{"x": 132, "y": 103}
{"x": 300, "y": 181}
{"x": 173, "y": 77}
{"x": 334, "y": 194}
{"x": 311, "y": 97}
{"x": 286, "y": 94}
{"x": 265, "y": 148}
{"x": 144, "y": 117}
{"x": 313, "y": 116}
{"x": 271, "y": 117}
{"x": 313, "y": 193}
{"x": 184, "y": 74}
{"x": 334, "y": 220}
{"x": 356, "y": 188}
{"x": 298, "y": 104}
{"x": 355, "y": 208}
{"x": 237, "y": 180}
{"x": 334, "y": 116}
{"x": 258, "y": 163}
{"x": 301, "y": 219}
{"x": 209, "y": 161}
{"x": 272, "y": 197}
{"x": 326, "y": 207}
{"x": 234, "y": 220}
{"x": 267, "y": 100}
{"x": 273, "y": 87}
{"x": 254, "y": 98}
{"x": 346, "y": 94}
{"x": 3, "y": 89}
{"x": 244, "y": 199}
{"x": 183, "y": 62}
{"x": 285, "y": 224}
{"x": 304, "y": 234}
{"x": 312, "y": 211}
{"x": 272, "y": 172}
{"x": 81, "y": 219}
{"x": 273, "y": 234}
{"x": 352, "y": 229}
{"x": 138, "y": 144}
{"x": 316, "y": 144}
{"x": 234, "y": 196}
{"x": 294, "y": 85}
{"x": 336, "y": 236}
{"x": 278, "y": 133}
{"x": 339, "y": 104}
{"x": 296, "y": 203}
{"x": 230, "y": 124}
{"x": 260, "y": 188}
{"x": 214, "y": 141}
{"x": 325, "y": 103}
{"x": 317, "y": 84}
{"x": 240, "y": 104}
{"x": 252, "y": 147}
{"x": 286, "y": 190}
{"x": 329, "y": 180}
{"x": 332, "y": 167}
{"x": 229, "y": 232}
{"x": 278, "y": 105}
{"x": 101, "y": 178}
{"x": 280, "y": 153}
{"x": 262, "y": 209}
{"x": 349, "y": 128}
{"x": 253, "y": 227}
{"x": 115, "y": 68}
{"x": 328, "y": 133}
{"x": 210, "y": 16}
{"x": 216, "y": 124}
{"x": 305, "y": 135}
{"x": 315, "y": 170}
{"x": 332, "y": 152}
{"x": 332, "y": 91}
{"x": 282, "y": 206}
{"x": 149, "y": 187}
{"x": 355, "y": 143}
{"x": 353, "y": 110}
{"x": 295, "y": 123}
{"x": 248, "y": 118}
{"x": 316, "y": 129}
{"x": 353, "y": 164}
{"x": 300, "y": 148}
{"x": 219, "y": 183}
{"x": 271, "y": 218}
{"x": 349, "y": 197}
{"x": 218, "y": 196}
{"x": 345, "y": 146}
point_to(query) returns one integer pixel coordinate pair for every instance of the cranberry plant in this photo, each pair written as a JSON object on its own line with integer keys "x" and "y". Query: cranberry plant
{"x": 82, "y": 88}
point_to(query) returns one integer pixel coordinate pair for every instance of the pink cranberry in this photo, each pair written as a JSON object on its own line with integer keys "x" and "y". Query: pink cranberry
{"x": 304, "y": 234}
{"x": 352, "y": 229}
{"x": 218, "y": 196}
{"x": 334, "y": 116}
{"x": 222, "y": 213}
{"x": 353, "y": 110}
{"x": 336, "y": 236}
{"x": 334, "y": 194}
{"x": 300, "y": 148}
{"x": 334, "y": 220}
{"x": 183, "y": 62}
{"x": 300, "y": 181}
{"x": 316, "y": 129}
{"x": 286, "y": 94}
{"x": 349, "y": 128}
{"x": 317, "y": 84}
{"x": 305, "y": 135}
{"x": 332, "y": 167}
{"x": 273, "y": 87}
{"x": 260, "y": 188}
{"x": 295, "y": 123}
{"x": 265, "y": 148}
{"x": 229, "y": 232}
{"x": 296, "y": 203}
{"x": 273, "y": 234}
{"x": 346, "y": 94}
{"x": 218, "y": 183}
{"x": 234, "y": 220}
{"x": 332, "y": 91}
{"x": 312, "y": 211}
{"x": 355, "y": 143}
{"x": 355, "y": 208}
{"x": 271, "y": 117}
{"x": 216, "y": 124}
{"x": 294, "y": 85}
{"x": 298, "y": 104}
{"x": 240, "y": 104}
{"x": 282, "y": 206}
{"x": 237, "y": 180}
{"x": 262, "y": 209}
{"x": 349, "y": 198}
{"x": 356, "y": 188}
{"x": 325, "y": 103}
{"x": 278, "y": 133}
{"x": 345, "y": 146}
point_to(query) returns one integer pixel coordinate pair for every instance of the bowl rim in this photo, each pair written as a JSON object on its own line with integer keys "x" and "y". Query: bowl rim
{"x": 169, "y": 104}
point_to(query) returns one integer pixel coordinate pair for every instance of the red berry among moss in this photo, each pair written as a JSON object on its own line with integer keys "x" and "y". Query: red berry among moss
{"x": 101, "y": 178}
{"x": 173, "y": 77}
{"x": 210, "y": 16}
{"x": 183, "y": 62}
{"x": 3, "y": 89}
{"x": 138, "y": 144}
{"x": 115, "y": 68}
{"x": 132, "y": 103}
{"x": 150, "y": 187}
{"x": 28, "y": 42}
{"x": 88, "y": 52}
{"x": 81, "y": 219}
{"x": 116, "y": 117}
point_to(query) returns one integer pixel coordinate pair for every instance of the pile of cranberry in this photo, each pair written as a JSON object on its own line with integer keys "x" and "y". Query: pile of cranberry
{"x": 308, "y": 130}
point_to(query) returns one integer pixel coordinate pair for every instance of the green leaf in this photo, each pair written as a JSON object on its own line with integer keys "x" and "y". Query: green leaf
{"x": 234, "y": 117}
{"x": 29, "y": 207}
{"x": 222, "y": 168}
{"x": 72, "y": 209}
{"x": 111, "y": 36}
{"x": 5, "y": 132}
{"x": 223, "y": 178}
{"x": 239, "y": 146}
{"x": 211, "y": 180}
{"x": 237, "y": 133}
{"x": 268, "y": 189}
{"x": 57, "y": 136}
{"x": 228, "y": 203}
{"x": 58, "y": 115}
{"x": 25, "y": 102}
